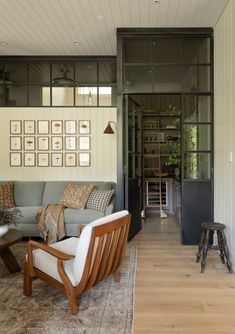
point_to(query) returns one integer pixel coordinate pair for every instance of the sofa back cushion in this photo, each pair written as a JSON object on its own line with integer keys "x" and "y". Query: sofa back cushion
{"x": 28, "y": 193}
{"x": 55, "y": 189}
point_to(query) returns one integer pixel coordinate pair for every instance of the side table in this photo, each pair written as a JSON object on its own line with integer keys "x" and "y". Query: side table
{"x": 7, "y": 240}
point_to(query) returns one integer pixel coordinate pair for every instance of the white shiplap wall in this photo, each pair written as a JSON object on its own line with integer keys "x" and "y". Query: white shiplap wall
{"x": 103, "y": 147}
{"x": 224, "y": 197}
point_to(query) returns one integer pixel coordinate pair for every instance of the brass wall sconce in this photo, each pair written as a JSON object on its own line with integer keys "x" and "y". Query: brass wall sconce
{"x": 109, "y": 130}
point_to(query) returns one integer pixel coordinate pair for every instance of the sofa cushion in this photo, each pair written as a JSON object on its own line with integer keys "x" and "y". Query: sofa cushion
{"x": 99, "y": 199}
{"x": 75, "y": 196}
{"x": 53, "y": 191}
{"x": 28, "y": 193}
{"x": 29, "y": 214}
{"x": 85, "y": 216}
{"x": 7, "y": 195}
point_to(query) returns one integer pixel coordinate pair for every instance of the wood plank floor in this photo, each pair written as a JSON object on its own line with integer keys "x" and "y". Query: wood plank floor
{"x": 172, "y": 296}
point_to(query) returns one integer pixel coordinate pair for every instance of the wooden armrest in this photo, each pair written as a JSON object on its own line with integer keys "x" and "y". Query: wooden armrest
{"x": 80, "y": 227}
{"x": 54, "y": 252}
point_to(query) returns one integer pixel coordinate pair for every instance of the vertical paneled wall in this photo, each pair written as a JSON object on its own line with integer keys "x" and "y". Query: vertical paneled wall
{"x": 103, "y": 147}
{"x": 224, "y": 197}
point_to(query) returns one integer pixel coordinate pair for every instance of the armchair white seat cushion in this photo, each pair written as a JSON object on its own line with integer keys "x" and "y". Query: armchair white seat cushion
{"x": 47, "y": 263}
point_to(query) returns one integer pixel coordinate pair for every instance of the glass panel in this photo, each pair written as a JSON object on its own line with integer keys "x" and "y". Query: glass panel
{"x": 196, "y": 78}
{"x": 39, "y": 73}
{"x": 86, "y": 73}
{"x": 169, "y": 124}
{"x": 63, "y": 74}
{"x": 166, "y": 78}
{"x": 138, "y": 79}
{"x": 166, "y": 50}
{"x": 16, "y": 96}
{"x": 197, "y": 108}
{"x": 107, "y": 73}
{"x": 62, "y": 96}
{"x": 196, "y": 50}
{"x": 197, "y": 137}
{"x": 166, "y": 104}
{"x": 197, "y": 166}
{"x": 105, "y": 96}
{"x": 137, "y": 50}
{"x": 16, "y": 73}
{"x": 2, "y": 90}
{"x": 86, "y": 96}
{"x": 39, "y": 96}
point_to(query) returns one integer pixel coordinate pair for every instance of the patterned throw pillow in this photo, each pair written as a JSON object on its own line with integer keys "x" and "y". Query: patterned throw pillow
{"x": 7, "y": 195}
{"x": 76, "y": 196}
{"x": 99, "y": 199}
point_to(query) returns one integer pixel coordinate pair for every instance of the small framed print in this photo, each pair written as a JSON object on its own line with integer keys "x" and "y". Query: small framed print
{"x": 84, "y": 159}
{"x": 43, "y": 159}
{"x": 56, "y": 127}
{"x": 43, "y": 127}
{"x": 29, "y": 159}
{"x": 70, "y": 127}
{"x": 15, "y": 159}
{"x": 15, "y": 143}
{"x": 70, "y": 160}
{"x": 84, "y": 143}
{"x": 29, "y": 127}
{"x": 29, "y": 143}
{"x": 43, "y": 143}
{"x": 56, "y": 159}
{"x": 70, "y": 143}
{"x": 84, "y": 127}
{"x": 57, "y": 143}
{"x": 15, "y": 127}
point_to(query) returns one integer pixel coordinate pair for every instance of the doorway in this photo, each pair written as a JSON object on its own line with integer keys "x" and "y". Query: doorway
{"x": 168, "y": 159}
{"x": 154, "y": 152}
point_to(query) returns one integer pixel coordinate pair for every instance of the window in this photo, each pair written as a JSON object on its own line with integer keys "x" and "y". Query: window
{"x": 58, "y": 83}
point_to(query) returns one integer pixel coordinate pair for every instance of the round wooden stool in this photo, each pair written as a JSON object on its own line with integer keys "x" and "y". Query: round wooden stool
{"x": 207, "y": 229}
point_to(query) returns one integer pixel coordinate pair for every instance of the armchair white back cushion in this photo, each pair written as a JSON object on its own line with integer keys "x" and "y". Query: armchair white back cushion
{"x": 84, "y": 242}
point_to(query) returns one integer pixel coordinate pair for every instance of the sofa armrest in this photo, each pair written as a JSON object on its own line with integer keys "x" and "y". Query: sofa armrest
{"x": 110, "y": 208}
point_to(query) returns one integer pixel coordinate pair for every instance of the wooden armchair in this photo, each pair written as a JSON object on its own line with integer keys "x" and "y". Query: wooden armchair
{"x": 76, "y": 264}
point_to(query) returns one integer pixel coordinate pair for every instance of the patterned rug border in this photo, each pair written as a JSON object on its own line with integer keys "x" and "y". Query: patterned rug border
{"x": 108, "y": 308}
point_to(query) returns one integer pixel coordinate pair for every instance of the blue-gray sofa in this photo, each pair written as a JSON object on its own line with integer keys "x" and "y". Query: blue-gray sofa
{"x": 29, "y": 196}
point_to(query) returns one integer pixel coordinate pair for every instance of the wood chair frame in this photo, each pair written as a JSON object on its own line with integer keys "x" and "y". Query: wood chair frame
{"x": 106, "y": 261}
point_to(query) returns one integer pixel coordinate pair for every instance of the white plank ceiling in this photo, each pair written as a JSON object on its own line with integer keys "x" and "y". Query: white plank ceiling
{"x": 49, "y": 27}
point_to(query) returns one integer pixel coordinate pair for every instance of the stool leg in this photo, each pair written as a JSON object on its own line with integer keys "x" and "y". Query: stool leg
{"x": 226, "y": 252}
{"x": 205, "y": 250}
{"x": 220, "y": 244}
{"x": 199, "y": 253}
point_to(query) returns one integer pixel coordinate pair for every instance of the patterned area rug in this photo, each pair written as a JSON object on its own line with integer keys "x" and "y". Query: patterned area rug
{"x": 105, "y": 309}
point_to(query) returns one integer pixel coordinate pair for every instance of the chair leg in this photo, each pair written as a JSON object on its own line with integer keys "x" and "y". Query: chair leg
{"x": 204, "y": 251}
{"x": 72, "y": 302}
{"x": 27, "y": 289}
{"x": 199, "y": 253}
{"x": 117, "y": 276}
{"x": 226, "y": 252}
{"x": 221, "y": 247}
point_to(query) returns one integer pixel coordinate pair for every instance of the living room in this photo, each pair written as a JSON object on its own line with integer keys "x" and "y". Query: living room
{"x": 61, "y": 38}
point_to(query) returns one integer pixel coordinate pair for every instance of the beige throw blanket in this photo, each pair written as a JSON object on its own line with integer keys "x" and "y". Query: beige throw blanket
{"x": 50, "y": 219}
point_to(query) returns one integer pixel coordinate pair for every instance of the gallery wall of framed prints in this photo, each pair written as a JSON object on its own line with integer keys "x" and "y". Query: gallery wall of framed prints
{"x": 50, "y": 143}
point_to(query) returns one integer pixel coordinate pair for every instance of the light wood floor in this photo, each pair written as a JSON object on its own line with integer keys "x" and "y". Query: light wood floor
{"x": 172, "y": 296}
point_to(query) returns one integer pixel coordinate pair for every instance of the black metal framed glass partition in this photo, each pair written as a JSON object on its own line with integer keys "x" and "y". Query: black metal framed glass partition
{"x": 68, "y": 81}
{"x": 154, "y": 62}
